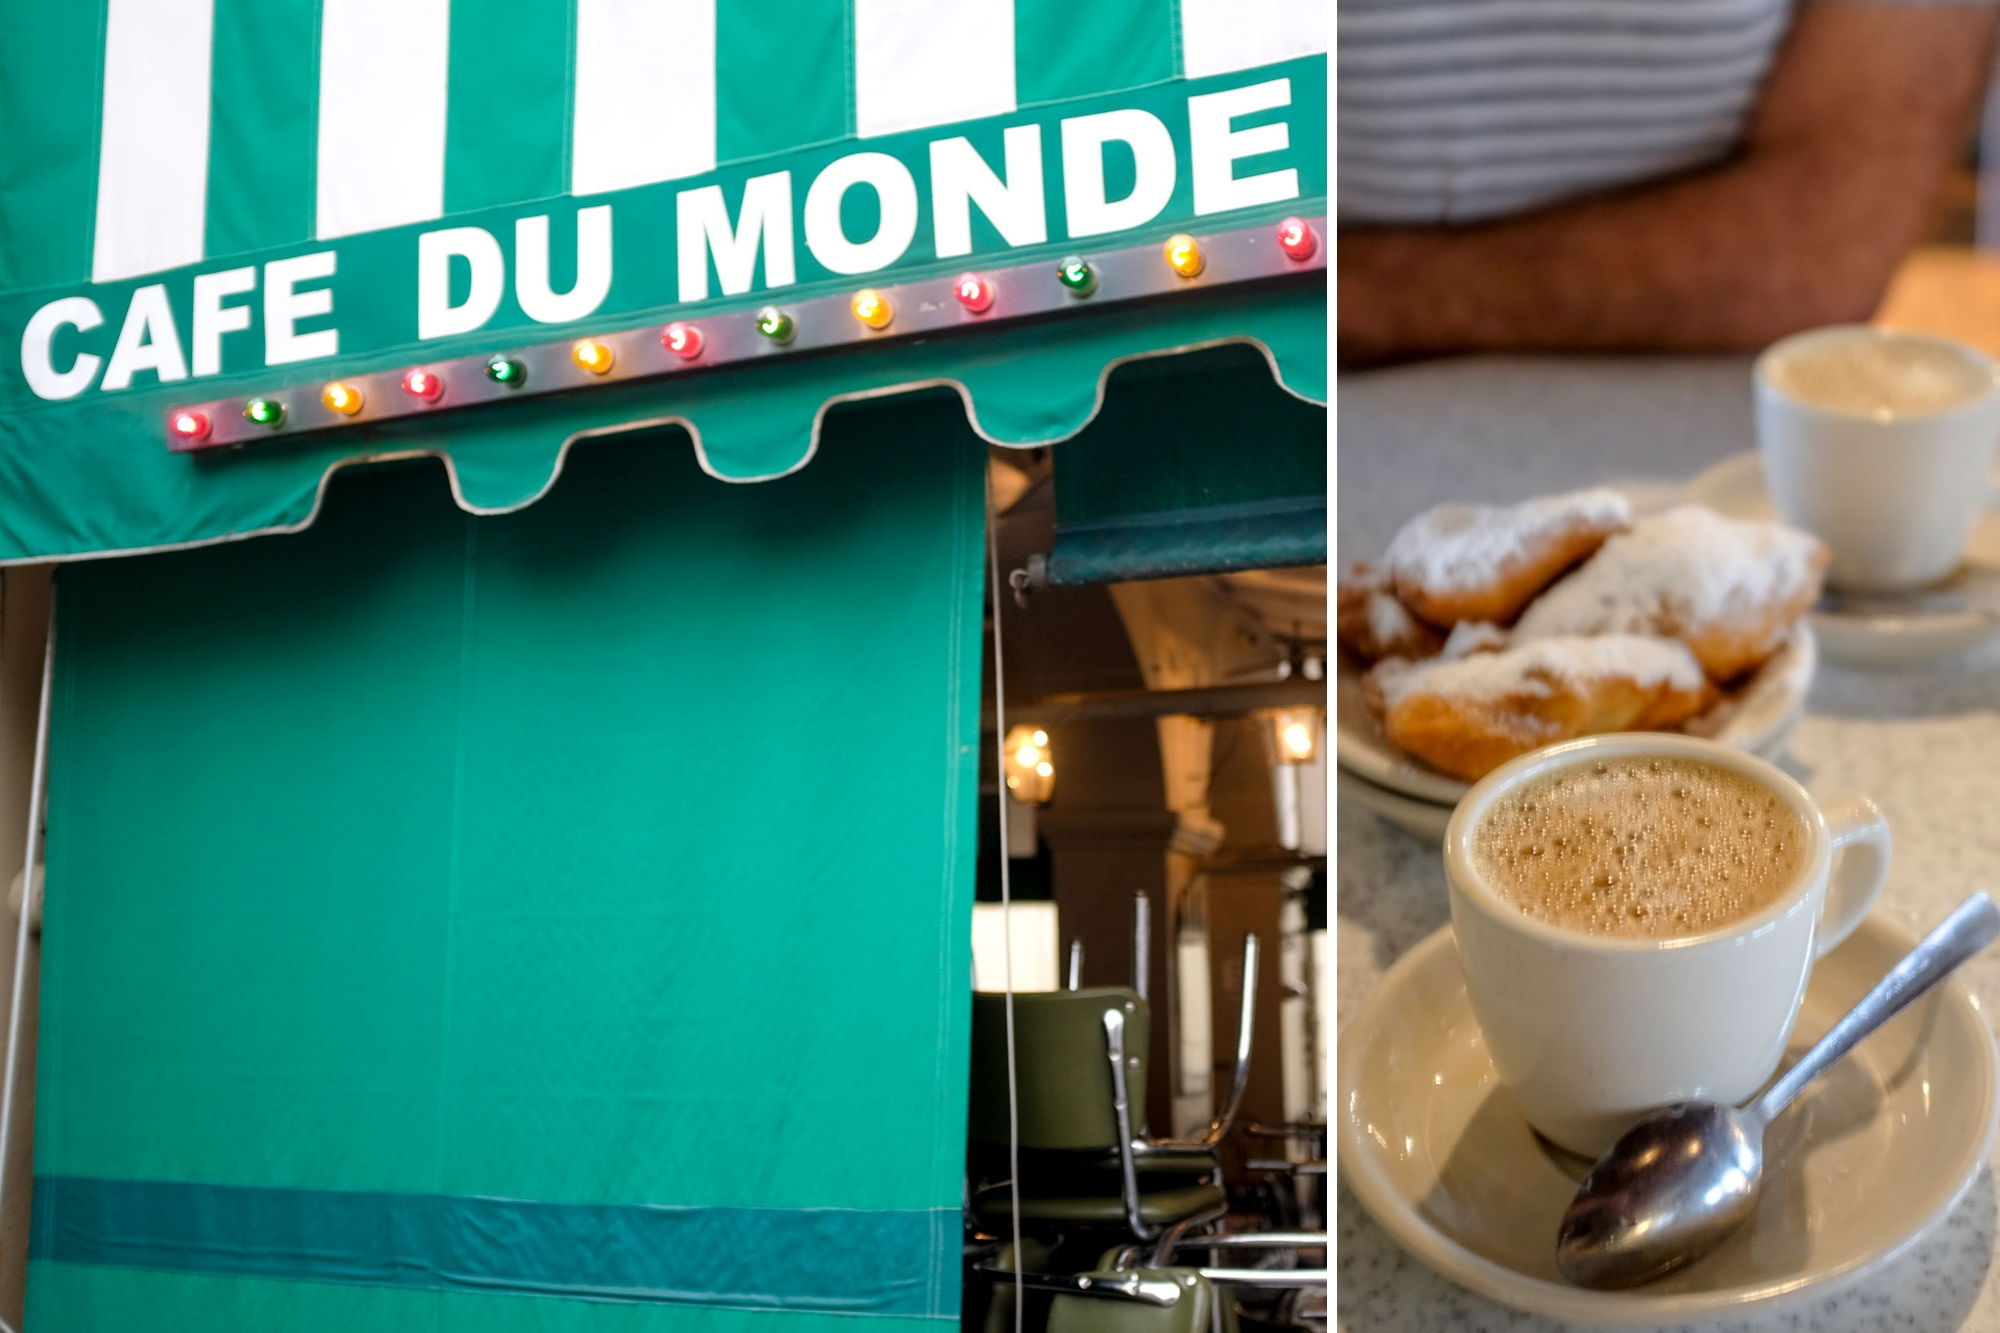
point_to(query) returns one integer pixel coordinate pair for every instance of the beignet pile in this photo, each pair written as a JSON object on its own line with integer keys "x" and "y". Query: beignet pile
{"x": 1494, "y": 630}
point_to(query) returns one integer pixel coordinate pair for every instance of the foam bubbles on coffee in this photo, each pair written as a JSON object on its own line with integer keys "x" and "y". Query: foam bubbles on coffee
{"x": 1640, "y": 847}
{"x": 1871, "y": 375}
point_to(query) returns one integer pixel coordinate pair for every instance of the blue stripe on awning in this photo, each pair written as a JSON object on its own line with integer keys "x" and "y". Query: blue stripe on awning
{"x": 827, "y": 1259}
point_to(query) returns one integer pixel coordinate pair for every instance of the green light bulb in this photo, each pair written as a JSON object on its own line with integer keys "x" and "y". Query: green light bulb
{"x": 1077, "y": 275}
{"x": 507, "y": 371}
{"x": 776, "y": 325}
{"x": 264, "y": 412}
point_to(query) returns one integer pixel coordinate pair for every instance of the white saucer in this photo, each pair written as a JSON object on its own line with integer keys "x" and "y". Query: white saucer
{"x": 1868, "y": 1159}
{"x": 1735, "y": 487}
{"x": 1759, "y": 719}
{"x": 1426, "y": 819}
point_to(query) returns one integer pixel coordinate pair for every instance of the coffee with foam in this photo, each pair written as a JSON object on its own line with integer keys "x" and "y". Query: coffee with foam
{"x": 1878, "y": 375}
{"x": 1639, "y": 847}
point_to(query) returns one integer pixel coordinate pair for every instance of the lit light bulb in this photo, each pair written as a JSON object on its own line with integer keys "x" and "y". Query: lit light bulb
{"x": 1297, "y": 239}
{"x": 1030, "y": 767}
{"x": 974, "y": 293}
{"x": 342, "y": 398}
{"x": 190, "y": 425}
{"x": 776, "y": 325}
{"x": 424, "y": 385}
{"x": 1077, "y": 275}
{"x": 268, "y": 412}
{"x": 683, "y": 340}
{"x": 1295, "y": 733}
{"x": 872, "y": 308}
{"x": 1184, "y": 255}
{"x": 506, "y": 370}
{"x": 592, "y": 355}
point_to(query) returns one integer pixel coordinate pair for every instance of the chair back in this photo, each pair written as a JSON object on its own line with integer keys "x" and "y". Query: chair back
{"x": 1062, "y": 1074}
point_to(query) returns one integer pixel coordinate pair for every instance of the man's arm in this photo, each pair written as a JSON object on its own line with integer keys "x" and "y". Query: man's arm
{"x": 1865, "y": 107}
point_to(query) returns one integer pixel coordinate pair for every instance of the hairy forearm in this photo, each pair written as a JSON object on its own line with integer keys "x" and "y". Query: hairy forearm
{"x": 1728, "y": 259}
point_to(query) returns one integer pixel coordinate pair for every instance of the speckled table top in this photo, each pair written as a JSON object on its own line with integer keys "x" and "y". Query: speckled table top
{"x": 1925, "y": 743}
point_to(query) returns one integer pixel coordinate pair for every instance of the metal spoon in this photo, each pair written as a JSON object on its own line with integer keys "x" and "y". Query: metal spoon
{"x": 1682, "y": 1179}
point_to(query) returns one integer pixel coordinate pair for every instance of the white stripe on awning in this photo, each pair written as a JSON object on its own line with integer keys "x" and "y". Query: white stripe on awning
{"x": 930, "y": 62}
{"x": 1222, "y": 36}
{"x": 152, "y": 157}
{"x": 645, "y": 93}
{"x": 383, "y": 65}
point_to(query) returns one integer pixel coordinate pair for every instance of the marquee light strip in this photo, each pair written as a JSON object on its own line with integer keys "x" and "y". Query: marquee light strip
{"x": 931, "y": 305}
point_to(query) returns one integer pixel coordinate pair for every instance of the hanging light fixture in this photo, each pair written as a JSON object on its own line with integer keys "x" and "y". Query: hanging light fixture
{"x": 1031, "y": 770}
{"x": 1295, "y": 735}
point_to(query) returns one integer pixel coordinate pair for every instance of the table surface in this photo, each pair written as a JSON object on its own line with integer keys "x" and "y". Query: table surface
{"x": 1925, "y": 743}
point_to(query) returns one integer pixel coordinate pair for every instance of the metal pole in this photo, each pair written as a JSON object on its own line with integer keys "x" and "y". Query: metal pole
{"x": 1006, "y": 903}
{"x": 1142, "y": 944}
{"x": 27, "y": 898}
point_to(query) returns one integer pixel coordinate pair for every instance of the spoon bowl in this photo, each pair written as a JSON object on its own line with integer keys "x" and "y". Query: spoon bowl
{"x": 1672, "y": 1188}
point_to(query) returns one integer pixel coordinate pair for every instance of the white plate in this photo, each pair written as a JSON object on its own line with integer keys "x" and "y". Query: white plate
{"x": 1735, "y": 487}
{"x": 1426, "y": 819}
{"x": 1759, "y": 719}
{"x": 1870, "y": 1157}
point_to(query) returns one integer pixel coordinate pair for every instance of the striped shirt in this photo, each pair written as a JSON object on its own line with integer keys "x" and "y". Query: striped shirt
{"x": 1466, "y": 110}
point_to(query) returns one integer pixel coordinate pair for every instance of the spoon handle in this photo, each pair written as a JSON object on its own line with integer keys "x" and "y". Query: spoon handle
{"x": 1973, "y": 925}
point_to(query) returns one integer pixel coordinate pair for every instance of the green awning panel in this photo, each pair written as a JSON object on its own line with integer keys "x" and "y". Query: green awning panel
{"x": 1197, "y": 465}
{"x": 203, "y": 201}
{"x": 557, "y": 921}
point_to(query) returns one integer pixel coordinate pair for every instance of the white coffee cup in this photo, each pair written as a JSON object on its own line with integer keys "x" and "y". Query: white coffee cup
{"x": 1591, "y": 1032}
{"x": 1893, "y": 494}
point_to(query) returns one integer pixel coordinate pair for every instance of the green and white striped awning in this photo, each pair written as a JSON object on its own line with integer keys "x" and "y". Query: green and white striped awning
{"x": 202, "y": 200}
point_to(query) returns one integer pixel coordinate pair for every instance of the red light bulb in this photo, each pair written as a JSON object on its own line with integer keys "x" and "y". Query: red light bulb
{"x": 974, "y": 293}
{"x": 683, "y": 340}
{"x": 423, "y": 384}
{"x": 1296, "y": 239}
{"x": 190, "y": 425}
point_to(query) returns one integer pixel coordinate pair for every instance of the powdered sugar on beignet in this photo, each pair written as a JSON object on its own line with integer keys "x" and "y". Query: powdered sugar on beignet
{"x": 1373, "y": 624}
{"x": 1486, "y": 562}
{"x": 1730, "y": 589}
{"x": 1467, "y": 717}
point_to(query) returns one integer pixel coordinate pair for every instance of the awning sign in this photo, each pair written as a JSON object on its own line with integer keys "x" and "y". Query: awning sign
{"x": 1088, "y": 172}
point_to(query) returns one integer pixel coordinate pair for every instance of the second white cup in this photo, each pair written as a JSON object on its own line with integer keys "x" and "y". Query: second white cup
{"x": 1893, "y": 490}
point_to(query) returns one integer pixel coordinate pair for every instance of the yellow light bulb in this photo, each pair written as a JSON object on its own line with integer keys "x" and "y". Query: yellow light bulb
{"x": 1298, "y": 740}
{"x": 342, "y": 398}
{"x": 872, "y": 308}
{"x": 1184, "y": 255}
{"x": 592, "y": 355}
{"x": 1026, "y": 756}
{"x": 1045, "y": 769}
{"x": 1040, "y": 738}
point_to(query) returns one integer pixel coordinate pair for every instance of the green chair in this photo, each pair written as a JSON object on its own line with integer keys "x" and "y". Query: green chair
{"x": 1199, "y": 1309}
{"x": 1106, "y": 1299}
{"x": 1079, "y": 1072}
